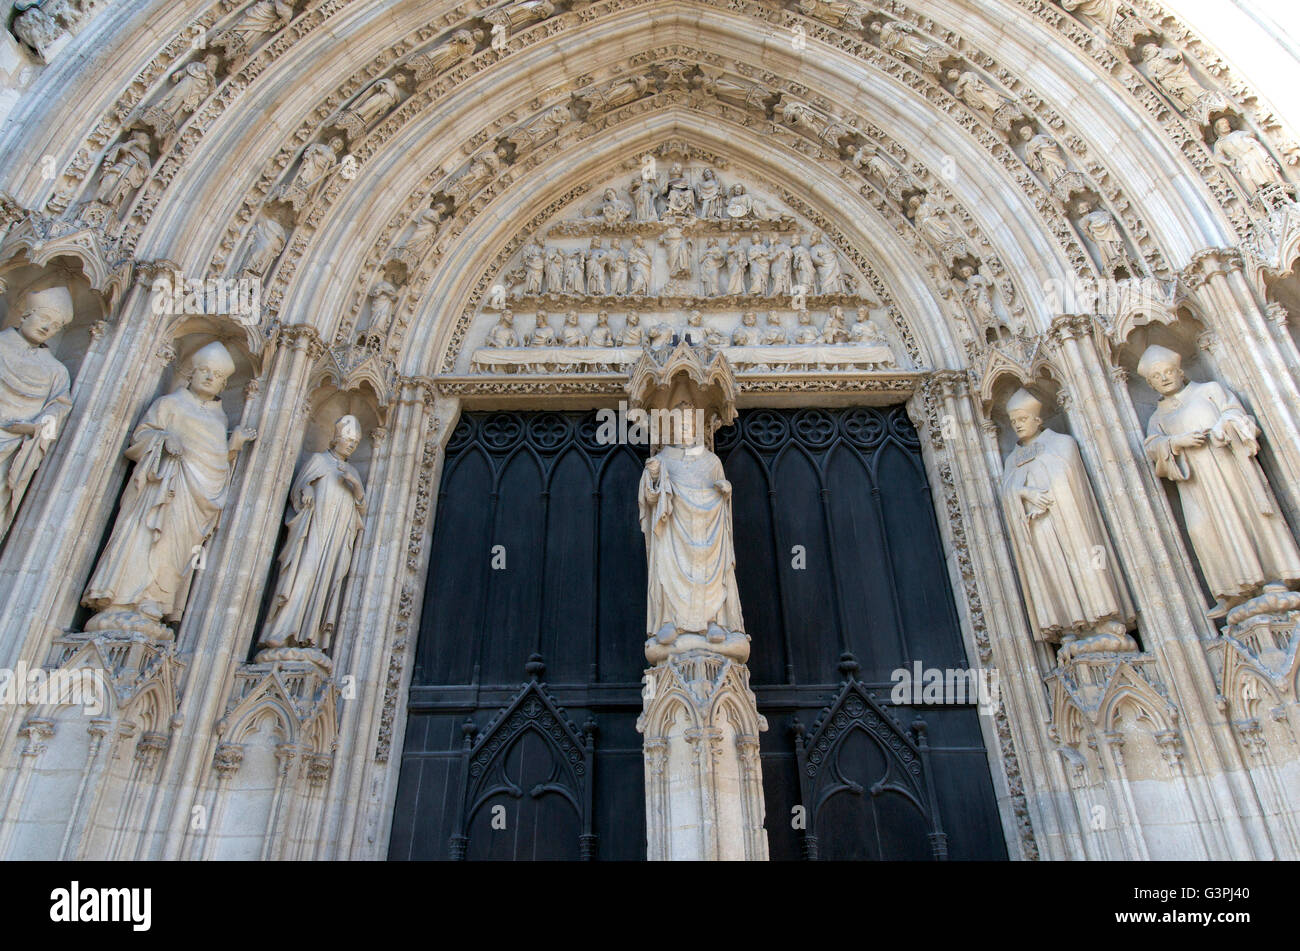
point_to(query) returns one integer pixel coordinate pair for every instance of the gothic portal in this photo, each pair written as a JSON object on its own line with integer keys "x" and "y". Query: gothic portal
{"x": 623, "y": 429}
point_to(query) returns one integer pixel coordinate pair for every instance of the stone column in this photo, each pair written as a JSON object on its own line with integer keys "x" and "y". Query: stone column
{"x": 218, "y": 624}
{"x": 379, "y": 623}
{"x": 960, "y": 458}
{"x": 1172, "y": 612}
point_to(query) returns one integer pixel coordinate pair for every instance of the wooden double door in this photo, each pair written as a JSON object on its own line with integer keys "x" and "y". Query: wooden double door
{"x": 521, "y": 737}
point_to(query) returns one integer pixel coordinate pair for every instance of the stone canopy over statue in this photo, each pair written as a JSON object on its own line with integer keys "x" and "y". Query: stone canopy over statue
{"x": 684, "y": 500}
{"x": 172, "y": 500}
{"x": 1202, "y": 439}
{"x": 1069, "y": 574}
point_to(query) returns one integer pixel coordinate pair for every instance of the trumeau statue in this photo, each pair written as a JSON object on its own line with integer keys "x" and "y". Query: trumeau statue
{"x": 176, "y": 492}
{"x": 328, "y": 502}
{"x": 1069, "y": 574}
{"x": 1246, "y": 156}
{"x": 685, "y": 504}
{"x": 1203, "y": 440}
{"x": 34, "y": 389}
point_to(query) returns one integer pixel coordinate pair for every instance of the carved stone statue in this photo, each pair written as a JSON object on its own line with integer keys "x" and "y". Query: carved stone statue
{"x": 759, "y": 261}
{"x": 459, "y": 46}
{"x": 712, "y": 258}
{"x": 1203, "y": 440}
{"x": 376, "y": 101}
{"x": 780, "y": 270}
{"x": 543, "y": 333}
{"x": 613, "y": 210}
{"x": 574, "y": 266}
{"x": 1069, "y": 574}
{"x": 977, "y": 295}
{"x": 261, "y": 19}
{"x": 835, "y": 329}
{"x": 631, "y": 335}
{"x": 864, "y": 330}
{"x": 479, "y": 173}
{"x": 420, "y": 240}
{"x": 775, "y": 335}
{"x": 267, "y": 242}
{"x": 601, "y": 335}
{"x": 34, "y": 389}
{"x": 170, "y": 507}
{"x": 805, "y": 271}
{"x": 616, "y": 261}
{"x": 503, "y": 333}
{"x": 737, "y": 262}
{"x": 383, "y": 298}
{"x": 806, "y": 331}
{"x": 316, "y": 163}
{"x": 125, "y": 167}
{"x": 1044, "y": 156}
{"x": 554, "y": 270}
{"x": 741, "y": 204}
{"x": 1246, "y": 156}
{"x": 596, "y": 267}
{"x": 678, "y": 249}
{"x": 1170, "y": 73}
{"x": 1105, "y": 234}
{"x": 708, "y": 192}
{"x": 747, "y": 334}
{"x": 644, "y": 190}
{"x": 830, "y": 279}
{"x": 193, "y": 84}
{"x": 572, "y": 332}
{"x": 976, "y": 93}
{"x": 639, "y": 266}
{"x": 679, "y": 197}
{"x": 901, "y": 38}
{"x": 685, "y": 504}
{"x": 617, "y": 93}
{"x": 36, "y": 26}
{"x": 328, "y": 502}
{"x": 534, "y": 257}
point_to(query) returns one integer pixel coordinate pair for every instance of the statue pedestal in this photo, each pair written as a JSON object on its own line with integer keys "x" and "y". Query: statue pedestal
{"x": 704, "y": 783}
{"x": 1256, "y": 661}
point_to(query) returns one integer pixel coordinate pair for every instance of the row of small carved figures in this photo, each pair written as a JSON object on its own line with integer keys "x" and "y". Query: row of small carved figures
{"x": 773, "y": 268}
{"x": 679, "y": 198}
{"x": 835, "y": 330}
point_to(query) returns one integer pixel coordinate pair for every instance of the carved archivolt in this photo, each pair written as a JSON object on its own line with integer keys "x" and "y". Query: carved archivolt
{"x": 421, "y": 62}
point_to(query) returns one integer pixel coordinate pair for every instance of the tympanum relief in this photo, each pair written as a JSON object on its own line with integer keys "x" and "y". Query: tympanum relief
{"x": 678, "y": 251}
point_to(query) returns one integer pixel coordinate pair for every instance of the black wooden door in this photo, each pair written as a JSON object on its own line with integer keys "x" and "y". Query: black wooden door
{"x": 521, "y": 738}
